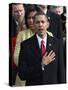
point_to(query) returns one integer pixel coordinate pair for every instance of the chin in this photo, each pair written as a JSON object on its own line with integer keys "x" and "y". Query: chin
{"x": 41, "y": 33}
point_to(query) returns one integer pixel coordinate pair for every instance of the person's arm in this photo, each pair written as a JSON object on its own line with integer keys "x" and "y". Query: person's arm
{"x": 17, "y": 49}
{"x": 23, "y": 35}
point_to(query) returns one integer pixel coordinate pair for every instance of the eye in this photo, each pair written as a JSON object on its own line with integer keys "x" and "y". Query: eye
{"x": 42, "y": 21}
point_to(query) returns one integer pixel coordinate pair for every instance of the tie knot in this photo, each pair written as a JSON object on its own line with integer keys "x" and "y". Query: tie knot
{"x": 42, "y": 42}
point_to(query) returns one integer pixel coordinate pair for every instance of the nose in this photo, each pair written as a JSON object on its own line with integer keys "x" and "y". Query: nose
{"x": 40, "y": 24}
{"x": 31, "y": 20}
{"x": 19, "y": 13}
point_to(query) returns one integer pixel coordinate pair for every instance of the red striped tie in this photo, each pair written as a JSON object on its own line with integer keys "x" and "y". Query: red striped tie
{"x": 43, "y": 49}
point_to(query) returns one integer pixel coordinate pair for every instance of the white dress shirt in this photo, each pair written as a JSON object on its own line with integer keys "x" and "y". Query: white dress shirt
{"x": 40, "y": 39}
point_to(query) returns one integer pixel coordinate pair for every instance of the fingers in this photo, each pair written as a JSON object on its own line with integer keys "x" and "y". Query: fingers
{"x": 52, "y": 59}
{"x": 53, "y": 55}
{"x": 50, "y": 52}
{"x": 49, "y": 58}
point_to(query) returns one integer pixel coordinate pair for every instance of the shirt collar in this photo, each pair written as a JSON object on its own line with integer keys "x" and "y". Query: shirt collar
{"x": 40, "y": 39}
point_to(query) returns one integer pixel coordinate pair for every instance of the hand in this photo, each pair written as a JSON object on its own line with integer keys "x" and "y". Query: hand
{"x": 48, "y": 58}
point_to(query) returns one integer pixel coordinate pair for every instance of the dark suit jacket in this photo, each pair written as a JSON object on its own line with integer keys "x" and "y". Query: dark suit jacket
{"x": 55, "y": 24}
{"x": 30, "y": 63}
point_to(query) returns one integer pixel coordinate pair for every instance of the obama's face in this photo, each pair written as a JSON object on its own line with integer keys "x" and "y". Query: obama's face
{"x": 41, "y": 24}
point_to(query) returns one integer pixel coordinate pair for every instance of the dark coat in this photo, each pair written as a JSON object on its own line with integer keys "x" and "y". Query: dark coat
{"x": 55, "y": 24}
{"x": 30, "y": 63}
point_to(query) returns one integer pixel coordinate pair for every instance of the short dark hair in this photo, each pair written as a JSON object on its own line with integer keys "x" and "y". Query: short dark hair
{"x": 16, "y": 3}
{"x": 40, "y": 13}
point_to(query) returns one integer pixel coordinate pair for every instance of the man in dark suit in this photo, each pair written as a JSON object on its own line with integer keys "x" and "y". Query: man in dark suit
{"x": 41, "y": 64}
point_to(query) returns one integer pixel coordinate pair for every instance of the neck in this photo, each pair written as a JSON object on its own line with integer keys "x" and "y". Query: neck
{"x": 42, "y": 35}
{"x": 33, "y": 31}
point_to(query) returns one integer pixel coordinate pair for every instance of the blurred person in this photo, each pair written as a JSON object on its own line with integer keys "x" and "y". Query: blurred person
{"x": 18, "y": 13}
{"x": 57, "y": 9}
{"x": 16, "y": 16}
{"x": 41, "y": 56}
{"x": 61, "y": 11}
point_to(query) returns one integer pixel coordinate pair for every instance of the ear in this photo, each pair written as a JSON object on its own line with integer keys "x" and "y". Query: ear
{"x": 48, "y": 25}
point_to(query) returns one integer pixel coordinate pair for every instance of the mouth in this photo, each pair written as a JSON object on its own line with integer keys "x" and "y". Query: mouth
{"x": 40, "y": 29}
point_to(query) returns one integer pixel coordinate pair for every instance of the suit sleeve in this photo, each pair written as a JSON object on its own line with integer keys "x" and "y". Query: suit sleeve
{"x": 61, "y": 68}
